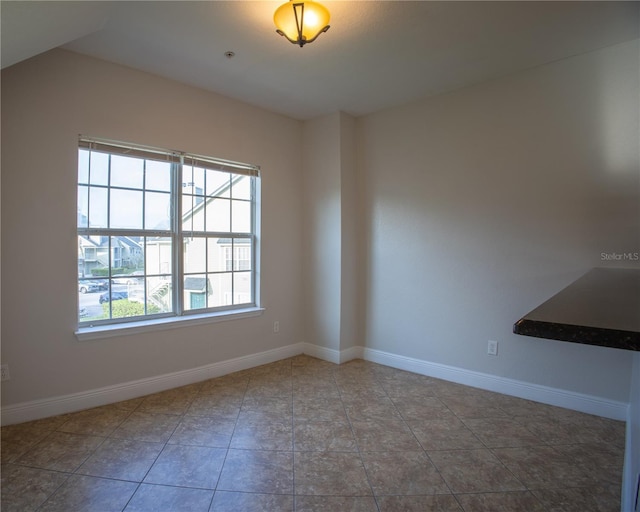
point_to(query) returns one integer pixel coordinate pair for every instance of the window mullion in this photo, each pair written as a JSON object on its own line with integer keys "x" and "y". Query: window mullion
{"x": 110, "y": 259}
{"x": 253, "y": 238}
{"x": 109, "y": 201}
{"x": 233, "y": 267}
{"x": 89, "y": 191}
{"x": 177, "y": 238}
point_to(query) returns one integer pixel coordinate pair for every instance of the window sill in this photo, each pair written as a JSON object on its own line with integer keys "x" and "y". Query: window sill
{"x": 162, "y": 324}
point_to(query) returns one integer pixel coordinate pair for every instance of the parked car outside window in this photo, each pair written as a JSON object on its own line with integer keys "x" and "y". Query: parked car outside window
{"x": 91, "y": 285}
{"x": 114, "y": 296}
{"x": 132, "y": 278}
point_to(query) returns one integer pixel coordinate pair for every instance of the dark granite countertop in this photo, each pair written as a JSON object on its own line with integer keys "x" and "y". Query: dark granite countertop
{"x": 600, "y": 308}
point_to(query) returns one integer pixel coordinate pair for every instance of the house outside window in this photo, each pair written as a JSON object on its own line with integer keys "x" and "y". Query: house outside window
{"x": 163, "y": 233}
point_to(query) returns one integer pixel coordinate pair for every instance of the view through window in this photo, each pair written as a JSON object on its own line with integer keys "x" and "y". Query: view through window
{"x": 163, "y": 233}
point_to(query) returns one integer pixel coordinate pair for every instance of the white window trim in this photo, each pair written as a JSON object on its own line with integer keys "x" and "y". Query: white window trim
{"x": 88, "y": 333}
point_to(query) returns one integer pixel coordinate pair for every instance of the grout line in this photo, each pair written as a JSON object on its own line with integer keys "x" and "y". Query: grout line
{"x": 233, "y": 431}
{"x": 293, "y": 442}
{"x": 358, "y": 450}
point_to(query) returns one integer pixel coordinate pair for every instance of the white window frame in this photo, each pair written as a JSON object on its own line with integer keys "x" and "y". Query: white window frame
{"x": 180, "y": 315}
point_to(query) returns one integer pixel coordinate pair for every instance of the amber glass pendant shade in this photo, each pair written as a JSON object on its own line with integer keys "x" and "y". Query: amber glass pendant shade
{"x": 301, "y": 22}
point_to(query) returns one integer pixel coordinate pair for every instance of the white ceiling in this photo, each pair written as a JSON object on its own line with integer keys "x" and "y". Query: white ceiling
{"x": 377, "y": 54}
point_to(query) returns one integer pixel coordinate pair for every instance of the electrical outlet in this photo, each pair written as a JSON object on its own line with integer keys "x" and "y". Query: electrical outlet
{"x": 276, "y": 326}
{"x": 4, "y": 372}
{"x": 492, "y": 348}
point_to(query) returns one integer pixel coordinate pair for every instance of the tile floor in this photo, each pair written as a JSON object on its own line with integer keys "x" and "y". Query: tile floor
{"x": 306, "y": 435}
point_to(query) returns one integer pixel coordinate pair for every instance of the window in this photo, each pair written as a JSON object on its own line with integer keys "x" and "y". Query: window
{"x": 163, "y": 233}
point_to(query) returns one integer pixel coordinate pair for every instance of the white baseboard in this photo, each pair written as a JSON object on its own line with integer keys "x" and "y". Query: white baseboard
{"x": 38, "y": 409}
{"x": 544, "y": 394}
{"x": 324, "y": 353}
{"x": 331, "y": 355}
{"x": 351, "y": 354}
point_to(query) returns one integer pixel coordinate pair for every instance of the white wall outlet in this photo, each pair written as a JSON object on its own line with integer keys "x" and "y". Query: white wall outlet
{"x": 4, "y": 372}
{"x": 492, "y": 348}
{"x": 276, "y": 326}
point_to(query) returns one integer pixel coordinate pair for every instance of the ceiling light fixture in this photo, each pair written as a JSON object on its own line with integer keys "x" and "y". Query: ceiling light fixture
{"x": 301, "y": 22}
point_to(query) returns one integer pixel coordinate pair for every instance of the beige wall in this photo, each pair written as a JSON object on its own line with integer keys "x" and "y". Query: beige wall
{"x": 46, "y": 102}
{"x": 482, "y": 203}
{"x": 332, "y": 241}
{"x": 322, "y": 196}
